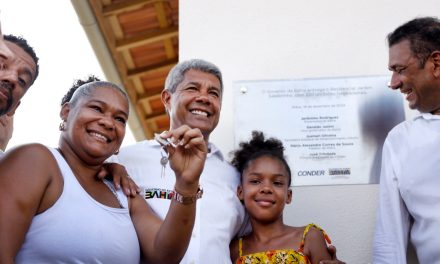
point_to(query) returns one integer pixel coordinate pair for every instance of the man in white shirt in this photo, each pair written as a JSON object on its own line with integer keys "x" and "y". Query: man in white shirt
{"x": 192, "y": 96}
{"x": 410, "y": 176}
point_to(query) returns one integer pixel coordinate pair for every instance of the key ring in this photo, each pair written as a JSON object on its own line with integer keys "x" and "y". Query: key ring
{"x": 163, "y": 160}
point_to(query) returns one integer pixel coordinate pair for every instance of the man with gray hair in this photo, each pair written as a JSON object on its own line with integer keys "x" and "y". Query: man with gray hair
{"x": 192, "y": 96}
{"x": 409, "y": 182}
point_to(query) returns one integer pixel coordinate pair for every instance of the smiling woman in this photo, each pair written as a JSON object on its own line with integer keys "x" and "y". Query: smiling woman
{"x": 98, "y": 126}
{"x": 60, "y": 193}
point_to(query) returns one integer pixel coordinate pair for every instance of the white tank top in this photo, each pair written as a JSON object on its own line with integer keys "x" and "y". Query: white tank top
{"x": 78, "y": 229}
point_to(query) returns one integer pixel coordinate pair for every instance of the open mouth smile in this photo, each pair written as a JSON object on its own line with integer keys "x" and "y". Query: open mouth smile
{"x": 265, "y": 202}
{"x": 100, "y": 137}
{"x": 407, "y": 92}
{"x": 200, "y": 112}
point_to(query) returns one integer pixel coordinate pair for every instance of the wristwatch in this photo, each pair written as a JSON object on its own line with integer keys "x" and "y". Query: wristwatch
{"x": 187, "y": 199}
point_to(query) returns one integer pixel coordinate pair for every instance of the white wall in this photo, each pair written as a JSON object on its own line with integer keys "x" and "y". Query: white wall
{"x": 285, "y": 39}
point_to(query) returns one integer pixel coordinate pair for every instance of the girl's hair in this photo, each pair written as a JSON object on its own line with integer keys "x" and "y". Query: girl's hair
{"x": 257, "y": 147}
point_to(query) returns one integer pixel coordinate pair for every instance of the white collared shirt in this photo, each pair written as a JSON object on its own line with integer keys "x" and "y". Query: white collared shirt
{"x": 410, "y": 193}
{"x": 219, "y": 213}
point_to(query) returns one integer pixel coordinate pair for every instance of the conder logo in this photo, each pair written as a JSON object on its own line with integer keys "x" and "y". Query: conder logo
{"x": 311, "y": 173}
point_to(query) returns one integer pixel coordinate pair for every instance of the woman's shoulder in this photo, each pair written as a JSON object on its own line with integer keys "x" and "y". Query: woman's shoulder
{"x": 29, "y": 176}
{"x": 34, "y": 155}
{"x": 30, "y": 147}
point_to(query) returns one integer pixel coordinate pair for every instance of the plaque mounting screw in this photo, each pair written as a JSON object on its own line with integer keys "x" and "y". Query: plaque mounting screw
{"x": 243, "y": 90}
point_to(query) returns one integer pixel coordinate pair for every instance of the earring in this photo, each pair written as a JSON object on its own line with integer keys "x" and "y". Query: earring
{"x": 117, "y": 152}
{"x": 62, "y": 126}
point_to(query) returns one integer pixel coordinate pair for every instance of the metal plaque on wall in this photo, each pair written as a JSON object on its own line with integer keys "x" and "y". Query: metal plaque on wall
{"x": 332, "y": 129}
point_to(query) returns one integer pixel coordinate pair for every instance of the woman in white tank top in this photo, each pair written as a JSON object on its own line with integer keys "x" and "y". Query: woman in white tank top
{"x": 54, "y": 210}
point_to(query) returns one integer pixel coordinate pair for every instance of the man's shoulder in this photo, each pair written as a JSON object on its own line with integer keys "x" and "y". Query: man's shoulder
{"x": 138, "y": 152}
{"x": 399, "y": 128}
{"x": 216, "y": 162}
{"x": 143, "y": 145}
{"x": 217, "y": 154}
{"x": 407, "y": 127}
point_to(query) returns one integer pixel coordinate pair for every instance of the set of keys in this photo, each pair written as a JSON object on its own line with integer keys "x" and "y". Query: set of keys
{"x": 164, "y": 159}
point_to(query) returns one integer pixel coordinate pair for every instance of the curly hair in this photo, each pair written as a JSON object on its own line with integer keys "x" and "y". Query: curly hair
{"x": 22, "y": 43}
{"x": 76, "y": 84}
{"x": 257, "y": 147}
{"x": 75, "y": 93}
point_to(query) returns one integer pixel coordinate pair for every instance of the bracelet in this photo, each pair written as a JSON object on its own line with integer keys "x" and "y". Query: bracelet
{"x": 187, "y": 199}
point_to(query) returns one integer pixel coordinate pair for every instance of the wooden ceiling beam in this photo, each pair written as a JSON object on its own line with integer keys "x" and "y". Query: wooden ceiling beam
{"x": 147, "y": 38}
{"x": 163, "y": 22}
{"x": 149, "y": 94}
{"x": 152, "y": 68}
{"x": 154, "y": 115}
{"x": 127, "y": 5}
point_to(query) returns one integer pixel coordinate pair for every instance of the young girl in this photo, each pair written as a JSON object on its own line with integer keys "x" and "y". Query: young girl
{"x": 264, "y": 190}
